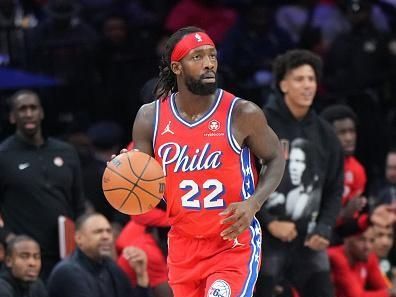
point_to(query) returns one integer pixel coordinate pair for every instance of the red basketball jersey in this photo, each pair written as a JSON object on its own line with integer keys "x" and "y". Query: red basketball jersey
{"x": 205, "y": 167}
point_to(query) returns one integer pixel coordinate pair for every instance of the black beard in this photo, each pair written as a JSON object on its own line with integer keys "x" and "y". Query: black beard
{"x": 197, "y": 87}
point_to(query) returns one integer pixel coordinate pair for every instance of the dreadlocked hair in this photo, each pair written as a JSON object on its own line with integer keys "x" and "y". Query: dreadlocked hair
{"x": 167, "y": 79}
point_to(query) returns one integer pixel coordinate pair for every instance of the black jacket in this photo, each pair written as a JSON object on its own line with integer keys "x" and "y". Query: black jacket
{"x": 79, "y": 276}
{"x": 11, "y": 287}
{"x": 37, "y": 185}
{"x": 314, "y": 179}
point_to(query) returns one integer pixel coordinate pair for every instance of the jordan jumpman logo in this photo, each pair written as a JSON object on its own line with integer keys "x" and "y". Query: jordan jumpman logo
{"x": 236, "y": 243}
{"x": 167, "y": 129}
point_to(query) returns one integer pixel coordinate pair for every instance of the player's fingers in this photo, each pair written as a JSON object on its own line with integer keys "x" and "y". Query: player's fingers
{"x": 233, "y": 231}
{"x": 124, "y": 150}
{"x": 226, "y": 234}
{"x": 232, "y": 218}
{"x": 230, "y": 236}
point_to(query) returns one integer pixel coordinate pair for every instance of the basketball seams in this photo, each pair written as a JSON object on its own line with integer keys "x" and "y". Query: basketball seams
{"x": 132, "y": 183}
{"x": 120, "y": 175}
{"x": 137, "y": 186}
{"x": 133, "y": 171}
{"x": 129, "y": 184}
{"x": 151, "y": 180}
{"x": 127, "y": 197}
{"x": 144, "y": 169}
{"x": 137, "y": 182}
{"x": 115, "y": 189}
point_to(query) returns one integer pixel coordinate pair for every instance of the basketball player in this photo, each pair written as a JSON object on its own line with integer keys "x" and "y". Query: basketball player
{"x": 207, "y": 141}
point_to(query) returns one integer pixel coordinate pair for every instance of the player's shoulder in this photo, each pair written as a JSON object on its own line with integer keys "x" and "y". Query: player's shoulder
{"x": 147, "y": 110}
{"x": 246, "y": 108}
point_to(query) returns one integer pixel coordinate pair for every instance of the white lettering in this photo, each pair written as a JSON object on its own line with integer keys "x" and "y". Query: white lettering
{"x": 201, "y": 159}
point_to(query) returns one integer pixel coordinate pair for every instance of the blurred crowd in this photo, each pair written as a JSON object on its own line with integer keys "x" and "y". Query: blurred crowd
{"x": 102, "y": 57}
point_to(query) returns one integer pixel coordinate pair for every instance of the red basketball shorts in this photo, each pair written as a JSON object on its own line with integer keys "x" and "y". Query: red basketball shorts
{"x": 214, "y": 267}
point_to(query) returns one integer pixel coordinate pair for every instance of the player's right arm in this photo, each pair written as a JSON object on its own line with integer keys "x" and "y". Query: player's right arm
{"x": 143, "y": 129}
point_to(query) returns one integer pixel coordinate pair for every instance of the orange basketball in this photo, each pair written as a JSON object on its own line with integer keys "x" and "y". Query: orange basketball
{"x": 133, "y": 182}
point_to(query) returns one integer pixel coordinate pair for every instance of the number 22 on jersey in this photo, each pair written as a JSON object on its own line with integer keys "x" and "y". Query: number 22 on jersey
{"x": 213, "y": 190}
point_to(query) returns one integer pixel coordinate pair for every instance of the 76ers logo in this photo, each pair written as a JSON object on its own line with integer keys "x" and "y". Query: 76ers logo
{"x": 219, "y": 288}
{"x": 214, "y": 125}
{"x": 198, "y": 37}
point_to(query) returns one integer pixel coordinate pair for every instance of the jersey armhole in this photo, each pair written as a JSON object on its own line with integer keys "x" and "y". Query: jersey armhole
{"x": 230, "y": 136}
{"x": 156, "y": 122}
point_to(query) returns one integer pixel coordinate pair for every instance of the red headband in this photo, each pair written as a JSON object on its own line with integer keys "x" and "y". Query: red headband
{"x": 189, "y": 42}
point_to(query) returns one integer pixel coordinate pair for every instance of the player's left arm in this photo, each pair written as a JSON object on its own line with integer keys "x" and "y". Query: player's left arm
{"x": 250, "y": 128}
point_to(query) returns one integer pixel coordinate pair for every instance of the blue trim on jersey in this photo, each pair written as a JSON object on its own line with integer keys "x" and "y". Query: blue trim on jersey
{"x": 231, "y": 139}
{"x": 254, "y": 263}
{"x": 247, "y": 173}
{"x": 255, "y": 230}
{"x": 156, "y": 121}
{"x": 204, "y": 118}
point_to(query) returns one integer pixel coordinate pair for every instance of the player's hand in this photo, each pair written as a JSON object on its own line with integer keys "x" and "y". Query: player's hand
{"x": 317, "y": 242}
{"x": 137, "y": 259}
{"x": 121, "y": 152}
{"x": 354, "y": 205}
{"x": 283, "y": 230}
{"x": 240, "y": 216}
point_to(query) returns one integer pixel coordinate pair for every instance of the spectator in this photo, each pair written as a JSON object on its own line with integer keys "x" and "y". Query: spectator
{"x": 13, "y": 23}
{"x": 305, "y": 22}
{"x": 362, "y": 53}
{"x": 40, "y": 179}
{"x": 351, "y": 217}
{"x": 20, "y": 276}
{"x": 387, "y": 193}
{"x": 106, "y": 138}
{"x": 3, "y": 246}
{"x": 148, "y": 232}
{"x": 299, "y": 216}
{"x": 383, "y": 243}
{"x": 355, "y": 268}
{"x": 254, "y": 35}
{"x": 90, "y": 271}
{"x": 63, "y": 46}
{"x": 123, "y": 52}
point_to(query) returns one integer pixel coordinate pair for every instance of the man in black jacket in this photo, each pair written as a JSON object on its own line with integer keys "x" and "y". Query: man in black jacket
{"x": 40, "y": 179}
{"x": 20, "y": 275}
{"x": 90, "y": 271}
{"x": 299, "y": 216}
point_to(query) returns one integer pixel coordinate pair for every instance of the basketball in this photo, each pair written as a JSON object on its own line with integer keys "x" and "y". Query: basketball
{"x": 133, "y": 182}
